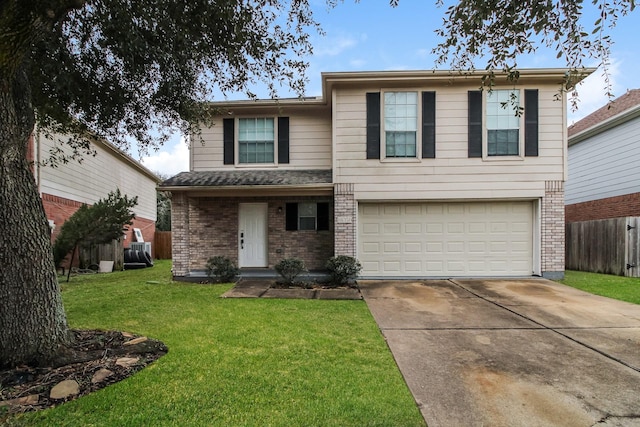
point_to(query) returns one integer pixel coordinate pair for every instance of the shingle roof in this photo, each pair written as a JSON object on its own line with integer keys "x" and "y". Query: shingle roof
{"x": 623, "y": 103}
{"x": 249, "y": 178}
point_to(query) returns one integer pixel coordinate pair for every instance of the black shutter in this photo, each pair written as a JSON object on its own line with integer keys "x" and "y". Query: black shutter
{"x": 323, "y": 216}
{"x": 531, "y": 122}
{"x": 228, "y": 137}
{"x": 428, "y": 125}
{"x": 291, "y": 217}
{"x": 475, "y": 123}
{"x": 283, "y": 139}
{"x": 373, "y": 125}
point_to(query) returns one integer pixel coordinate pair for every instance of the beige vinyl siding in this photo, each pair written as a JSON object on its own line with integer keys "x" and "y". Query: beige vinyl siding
{"x": 451, "y": 175}
{"x": 95, "y": 177}
{"x": 309, "y": 145}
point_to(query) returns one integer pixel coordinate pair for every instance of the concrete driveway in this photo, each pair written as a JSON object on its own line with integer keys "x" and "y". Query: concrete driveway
{"x": 511, "y": 352}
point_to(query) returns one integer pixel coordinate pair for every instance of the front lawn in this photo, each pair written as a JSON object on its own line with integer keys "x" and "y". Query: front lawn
{"x": 617, "y": 287}
{"x": 234, "y": 362}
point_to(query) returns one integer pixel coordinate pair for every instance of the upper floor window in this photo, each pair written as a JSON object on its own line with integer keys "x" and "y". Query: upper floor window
{"x": 256, "y": 140}
{"x": 503, "y": 123}
{"x": 400, "y": 123}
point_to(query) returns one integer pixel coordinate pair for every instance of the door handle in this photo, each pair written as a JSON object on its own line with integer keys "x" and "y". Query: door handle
{"x": 241, "y": 243}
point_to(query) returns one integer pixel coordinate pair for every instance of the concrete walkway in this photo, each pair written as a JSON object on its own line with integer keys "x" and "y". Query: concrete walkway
{"x": 512, "y": 352}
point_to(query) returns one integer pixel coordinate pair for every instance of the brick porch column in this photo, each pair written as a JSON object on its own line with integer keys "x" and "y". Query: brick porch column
{"x": 180, "y": 233}
{"x": 553, "y": 230}
{"x": 345, "y": 220}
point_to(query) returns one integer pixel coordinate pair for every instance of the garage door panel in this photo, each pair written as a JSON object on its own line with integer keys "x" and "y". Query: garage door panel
{"x": 446, "y": 239}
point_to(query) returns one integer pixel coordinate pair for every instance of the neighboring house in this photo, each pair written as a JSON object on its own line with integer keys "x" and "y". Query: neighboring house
{"x": 604, "y": 162}
{"x": 65, "y": 188}
{"x": 415, "y": 173}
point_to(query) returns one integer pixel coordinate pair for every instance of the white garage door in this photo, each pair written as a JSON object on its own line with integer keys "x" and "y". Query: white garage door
{"x": 446, "y": 239}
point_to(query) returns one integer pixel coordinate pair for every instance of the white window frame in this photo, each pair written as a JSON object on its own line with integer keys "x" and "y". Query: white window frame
{"x": 485, "y": 129}
{"x": 383, "y": 133}
{"x": 236, "y": 141}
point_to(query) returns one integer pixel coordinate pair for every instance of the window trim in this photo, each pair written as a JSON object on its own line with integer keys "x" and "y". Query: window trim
{"x": 383, "y": 136}
{"x": 236, "y": 142}
{"x": 485, "y": 130}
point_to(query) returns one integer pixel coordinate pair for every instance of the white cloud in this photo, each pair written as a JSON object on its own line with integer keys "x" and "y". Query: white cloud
{"x": 334, "y": 46}
{"x": 592, "y": 92}
{"x": 170, "y": 160}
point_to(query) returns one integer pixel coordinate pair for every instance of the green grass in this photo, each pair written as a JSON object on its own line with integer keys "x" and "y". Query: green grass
{"x": 234, "y": 362}
{"x": 617, "y": 287}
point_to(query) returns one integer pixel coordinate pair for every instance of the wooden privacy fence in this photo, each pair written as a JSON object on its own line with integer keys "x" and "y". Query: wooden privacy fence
{"x": 610, "y": 246}
{"x": 162, "y": 245}
{"x": 113, "y": 251}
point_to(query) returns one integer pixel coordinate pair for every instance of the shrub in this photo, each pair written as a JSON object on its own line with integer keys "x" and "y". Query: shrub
{"x": 222, "y": 268}
{"x": 342, "y": 269}
{"x": 290, "y": 268}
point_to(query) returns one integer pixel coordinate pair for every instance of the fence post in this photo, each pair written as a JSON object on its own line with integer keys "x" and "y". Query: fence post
{"x": 632, "y": 249}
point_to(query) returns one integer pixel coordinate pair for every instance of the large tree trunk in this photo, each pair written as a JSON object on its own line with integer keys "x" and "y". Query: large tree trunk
{"x": 33, "y": 326}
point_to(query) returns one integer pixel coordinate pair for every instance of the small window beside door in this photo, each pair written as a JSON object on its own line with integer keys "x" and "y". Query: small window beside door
{"x": 307, "y": 216}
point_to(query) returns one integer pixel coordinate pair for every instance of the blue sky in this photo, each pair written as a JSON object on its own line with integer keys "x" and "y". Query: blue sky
{"x": 372, "y": 36}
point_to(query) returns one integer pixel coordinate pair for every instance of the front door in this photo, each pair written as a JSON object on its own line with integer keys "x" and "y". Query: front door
{"x": 252, "y": 235}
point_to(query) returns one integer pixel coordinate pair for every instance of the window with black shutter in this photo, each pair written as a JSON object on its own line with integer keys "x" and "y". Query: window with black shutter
{"x": 307, "y": 216}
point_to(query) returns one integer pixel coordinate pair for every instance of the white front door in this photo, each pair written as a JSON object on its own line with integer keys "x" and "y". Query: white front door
{"x": 252, "y": 235}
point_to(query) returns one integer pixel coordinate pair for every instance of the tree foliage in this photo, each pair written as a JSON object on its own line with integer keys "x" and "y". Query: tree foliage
{"x": 123, "y": 69}
{"x": 102, "y": 222}
{"x": 500, "y": 32}
{"x": 163, "y": 211}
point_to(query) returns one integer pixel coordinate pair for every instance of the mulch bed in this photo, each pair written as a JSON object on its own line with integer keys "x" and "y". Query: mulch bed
{"x": 308, "y": 285}
{"x": 27, "y": 388}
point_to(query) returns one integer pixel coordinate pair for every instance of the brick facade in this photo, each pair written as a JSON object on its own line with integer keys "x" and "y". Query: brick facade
{"x": 345, "y": 220}
{"x": 553, "y": 230}
{"x": 204, "y": 227}
{"x": 60, "y": 209}
{"x": 180, "y": 244}
{"x": 610, "y": 207}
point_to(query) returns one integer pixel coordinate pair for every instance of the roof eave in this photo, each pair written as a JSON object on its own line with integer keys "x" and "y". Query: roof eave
{"x": 605, "y": 125}
{"x": 188, "y": 188}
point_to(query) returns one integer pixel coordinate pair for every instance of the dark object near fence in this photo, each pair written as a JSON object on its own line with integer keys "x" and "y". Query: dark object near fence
{"x": 136, "y": 259}
{"x": 610, "y": 246}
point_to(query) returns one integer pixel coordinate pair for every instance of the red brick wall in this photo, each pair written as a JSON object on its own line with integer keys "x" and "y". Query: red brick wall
{"x": 611, "y": 207}
{"x": 146, "y": 226}
{"x": 60, "y": 209}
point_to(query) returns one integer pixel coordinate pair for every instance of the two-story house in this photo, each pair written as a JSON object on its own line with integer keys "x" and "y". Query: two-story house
{"x": 415, "y": 173}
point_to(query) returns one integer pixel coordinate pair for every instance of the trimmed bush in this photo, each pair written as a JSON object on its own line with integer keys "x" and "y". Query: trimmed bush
{"x": 343, "y": 269}
{"x": 290, "y": 269}
{"x": 222, "y": 269}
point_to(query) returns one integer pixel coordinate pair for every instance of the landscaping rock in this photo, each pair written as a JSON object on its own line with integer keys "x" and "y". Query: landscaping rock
{"x": 135, "y": 341}
{"x": 32, "y": 399}
{"x": 101, "y": 375}
{"x": 127, "y": 362}
{"x": 65, "y": 389}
